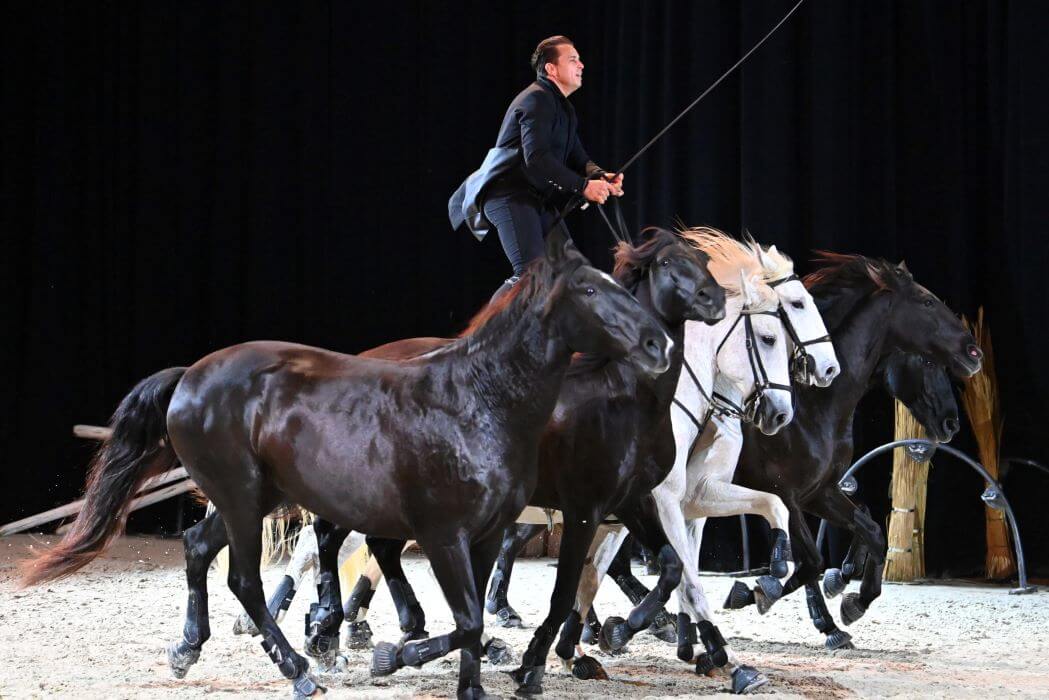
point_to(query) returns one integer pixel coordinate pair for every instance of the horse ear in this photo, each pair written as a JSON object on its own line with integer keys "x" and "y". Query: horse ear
{"x": 902, "y": 267}
{"x": 557, "y": 244}
{"x": 764, "y": 259}
{"x": 750, "y": 295}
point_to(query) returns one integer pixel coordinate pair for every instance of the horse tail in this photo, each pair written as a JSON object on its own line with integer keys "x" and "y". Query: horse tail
{"x": 136, "y": 450}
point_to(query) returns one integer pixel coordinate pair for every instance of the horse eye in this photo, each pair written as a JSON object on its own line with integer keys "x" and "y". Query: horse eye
{"x": 769, "y": 340}
{"x": 590, "y": 291}
{"x": 665, "y": 262}
{"x": 928, "y": 302}
{"x": 798, "y": 304}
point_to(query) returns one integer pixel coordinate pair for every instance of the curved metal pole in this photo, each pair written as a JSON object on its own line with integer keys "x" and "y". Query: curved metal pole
{"x": 996, "y": 499}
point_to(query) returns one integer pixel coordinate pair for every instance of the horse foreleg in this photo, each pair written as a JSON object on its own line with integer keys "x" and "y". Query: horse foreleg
{"x": 513, "y": 541}
{"x": 355, "y": 610}
{"x": 578, "y": 534}
{"x": 663, "y": 626}
{"x": 410, "y": 614}
{"x": 202, "y": 543}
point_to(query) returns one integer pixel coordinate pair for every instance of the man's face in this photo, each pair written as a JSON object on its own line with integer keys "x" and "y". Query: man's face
{"x": 567, "y": 72}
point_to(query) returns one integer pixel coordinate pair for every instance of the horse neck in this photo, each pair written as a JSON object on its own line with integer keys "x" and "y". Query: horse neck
{"x": 663, "y": 386}
{"x": 516, "y": 365}
{"x": 859, "y": 342}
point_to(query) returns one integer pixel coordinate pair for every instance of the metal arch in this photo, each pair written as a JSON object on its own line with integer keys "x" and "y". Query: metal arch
{"x": 993, "y": 495}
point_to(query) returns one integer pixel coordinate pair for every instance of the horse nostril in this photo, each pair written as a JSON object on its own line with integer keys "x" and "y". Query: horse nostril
{"x": 703, "y": 294}
{"x": 950, "y": 426}
{"x": 831, "y": 371}
{"x": 780, "y": 419}
{"x": 974, "y": 352}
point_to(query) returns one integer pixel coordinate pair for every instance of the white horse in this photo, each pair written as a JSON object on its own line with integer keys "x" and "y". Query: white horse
{"x": 700, "y": 485}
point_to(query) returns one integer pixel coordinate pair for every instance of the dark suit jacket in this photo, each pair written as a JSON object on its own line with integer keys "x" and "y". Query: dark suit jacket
{"x": 538, "y": 149}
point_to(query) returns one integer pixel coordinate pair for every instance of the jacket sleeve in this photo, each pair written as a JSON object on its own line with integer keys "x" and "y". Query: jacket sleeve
{"x": 579, "y": 161}
{"x": 536, "y": 117}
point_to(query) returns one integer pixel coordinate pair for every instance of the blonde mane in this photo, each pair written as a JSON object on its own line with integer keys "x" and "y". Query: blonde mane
{"x": 729, "y": 257}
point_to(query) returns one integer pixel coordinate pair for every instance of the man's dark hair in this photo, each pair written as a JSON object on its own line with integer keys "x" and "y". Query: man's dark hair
{"x": 546, "y": 52}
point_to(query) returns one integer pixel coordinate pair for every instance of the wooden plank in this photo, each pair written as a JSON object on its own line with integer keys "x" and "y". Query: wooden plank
{"x": 76, "y": 506}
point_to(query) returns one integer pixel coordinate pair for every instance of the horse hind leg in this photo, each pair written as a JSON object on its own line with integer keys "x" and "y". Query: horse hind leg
{"x": 202, "y": 543}
{"x": 452, "y": 566}
{"x": 410, "y": 614}
{"x": 663, "y": 626}
{"x": 497, "y": 603}
{"x": 243, "y": 520}
{"x": 355, "y": 610}
{"x": 325, "y": 616}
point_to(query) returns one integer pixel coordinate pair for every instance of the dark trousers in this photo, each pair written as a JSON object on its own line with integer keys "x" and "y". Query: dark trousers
{"x": 522, "y": 221}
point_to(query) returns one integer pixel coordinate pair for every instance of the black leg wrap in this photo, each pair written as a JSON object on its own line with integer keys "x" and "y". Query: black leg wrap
{"x": 409, "y": 612}
{"x": 424, "y": 650}
{"x": 746, "y": 679}
{"x": 739, "y": 596}
{"x": 570, "y": 632}
{"x": 289, "y": 666}
{"x": 592, "y": 628}
{"x": 713, "y": 642}
{"x": 508, "y": 617}
{"x": 282, "y": 596}
{"x": 781, "y": 555}
{"x": 181, "y": 656}
{"x": 634, "y": 589}
{"x": 818, "y": 610}
{"x": 497, "y": 592}
{"x": 360, "y": 597}
{"x": 686, "y": 637}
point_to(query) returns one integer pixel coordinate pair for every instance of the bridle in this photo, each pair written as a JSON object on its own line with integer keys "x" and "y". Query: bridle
{"x": 722, "y": 405}
{"x": 802, "y": 364}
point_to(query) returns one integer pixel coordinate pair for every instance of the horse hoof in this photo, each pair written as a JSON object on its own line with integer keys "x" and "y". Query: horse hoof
{"x": 833, "y": 582}
{"x": 739, "y": 596}
{"x": 664, "y": 627}
{"x": 384, "y": 659}
{"x": 244, "y": 625}
{"x": 498, "y": 652}
{"x": 587, "y": 668}
{"x": 181, "y": 657}
{"x": 615, "y": 634}
{"x": 359, "y": 635}
{"x": 746, "y": 679}
{"x": 839, "y": 640}
{"x": 529, "y": 679}
{"x": 705, "y": 665}
{"x": 306, "y": 687}
{"x": 508, "y": 617}
{"x": 763, "y": 602}
{"x": 476, "y": 693}
{"x": 771, "y": 587}
{"x": 852, "y": 608}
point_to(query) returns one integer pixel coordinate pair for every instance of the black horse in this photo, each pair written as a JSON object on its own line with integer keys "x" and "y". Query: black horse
{"x": 442, "y": 449}
{"x": 872, "y": 309}
{"x": 607, "y": 445}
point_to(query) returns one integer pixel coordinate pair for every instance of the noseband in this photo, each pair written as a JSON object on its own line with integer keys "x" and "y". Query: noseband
{"x": 802, "y": 364}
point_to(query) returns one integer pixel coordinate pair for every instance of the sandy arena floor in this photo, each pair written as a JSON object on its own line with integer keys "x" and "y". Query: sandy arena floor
{"x": 102, "y": 634}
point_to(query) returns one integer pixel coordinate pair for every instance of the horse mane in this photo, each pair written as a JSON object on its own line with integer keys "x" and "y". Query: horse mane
{"x": 631, "y": 262}
{"x": 843, "y": 279}
{"x": 532, "y": 284}
{"x": 729, "y": 256}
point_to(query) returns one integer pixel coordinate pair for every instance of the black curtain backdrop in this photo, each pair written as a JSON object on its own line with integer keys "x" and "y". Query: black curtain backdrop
{"x": 179, "y": 177}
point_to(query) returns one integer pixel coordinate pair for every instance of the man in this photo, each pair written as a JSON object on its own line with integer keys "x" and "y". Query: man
{"x": 537, "y": 163}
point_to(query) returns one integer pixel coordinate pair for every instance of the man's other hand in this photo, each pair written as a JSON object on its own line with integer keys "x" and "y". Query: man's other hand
{"x": 597, "y": 191}
{"x": 615, "y": 183}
